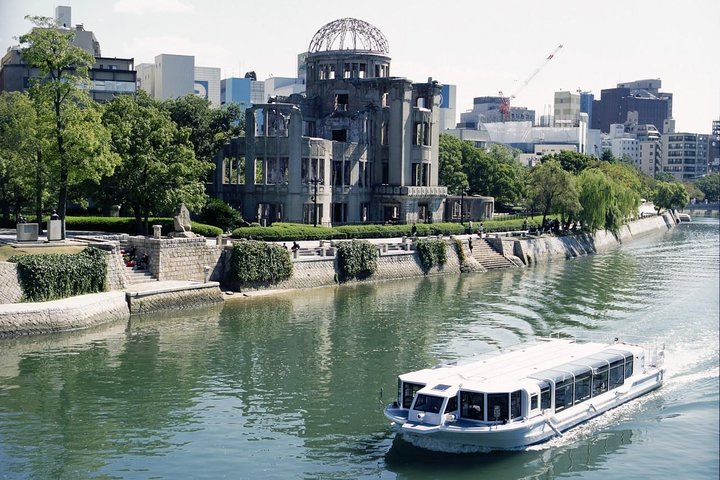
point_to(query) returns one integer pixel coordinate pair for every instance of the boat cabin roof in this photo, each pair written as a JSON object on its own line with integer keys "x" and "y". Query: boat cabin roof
{"x": 530, "y": 363}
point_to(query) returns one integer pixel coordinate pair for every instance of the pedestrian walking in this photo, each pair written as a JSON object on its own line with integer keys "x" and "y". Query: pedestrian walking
{"x": 470, "y": 246}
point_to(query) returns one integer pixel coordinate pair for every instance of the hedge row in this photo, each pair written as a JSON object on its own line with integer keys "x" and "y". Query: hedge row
{"x": 128, "y": 225}
{"x": 60, "y": 275}
{"x": 280, "y": 232}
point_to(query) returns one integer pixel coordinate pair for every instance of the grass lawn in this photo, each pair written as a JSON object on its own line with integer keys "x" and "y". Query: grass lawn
{"x": 7, "y": 251}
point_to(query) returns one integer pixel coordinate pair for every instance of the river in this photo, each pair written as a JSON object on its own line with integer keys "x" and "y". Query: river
{"x": 289, "y": 386}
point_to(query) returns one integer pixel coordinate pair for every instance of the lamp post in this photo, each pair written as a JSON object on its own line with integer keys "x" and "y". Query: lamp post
{"x": 315, "y": 182}
{"x": 462, "y": 200}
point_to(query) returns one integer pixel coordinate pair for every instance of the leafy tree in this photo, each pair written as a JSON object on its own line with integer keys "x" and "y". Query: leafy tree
{"x": 78, "y": 149}
{"x": 607, "y": 156}
{"x": 670, "y": 195}
{"x": 218, "y": 213}
{"x": 19, "y": 151}
{"x": 710, "y": 186}
{"x": 450, "y": 170}
{"x": 553, "y": 189}
{"x": 573, "y": 162}
{"x": 607, "y": 201}
{"x": 500, "y": 175}
{"x": 493, "y": 171}
{"x": 159, "y": 169}
{"x": 664, "y": 177}
{"x": 694, "y": 191}
{"x": 210, "y": 128}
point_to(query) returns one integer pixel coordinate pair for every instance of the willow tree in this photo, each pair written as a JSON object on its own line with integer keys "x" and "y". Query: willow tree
{"x": 78, "y": 145}
{"x": 607, "y": 202}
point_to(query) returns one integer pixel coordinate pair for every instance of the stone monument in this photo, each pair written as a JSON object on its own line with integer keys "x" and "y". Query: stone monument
{"x": 182, "y": 223}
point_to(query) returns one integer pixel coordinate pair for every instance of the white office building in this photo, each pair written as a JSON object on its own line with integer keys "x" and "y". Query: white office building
{"x": 172, "y": 76}
{"x": 207, "y": 84}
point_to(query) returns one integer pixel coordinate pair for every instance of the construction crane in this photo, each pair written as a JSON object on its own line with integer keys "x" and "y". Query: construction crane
{"x": 505, "y": 101}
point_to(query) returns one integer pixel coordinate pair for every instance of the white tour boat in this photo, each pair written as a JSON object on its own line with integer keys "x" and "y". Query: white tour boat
{"x": 527, "y": 395}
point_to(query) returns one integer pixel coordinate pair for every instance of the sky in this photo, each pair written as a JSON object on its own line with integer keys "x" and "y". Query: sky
{"x": 481, "y": 46}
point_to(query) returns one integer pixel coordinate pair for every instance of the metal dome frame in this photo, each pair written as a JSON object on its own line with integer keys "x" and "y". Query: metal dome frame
{"x": 349, "y": 34}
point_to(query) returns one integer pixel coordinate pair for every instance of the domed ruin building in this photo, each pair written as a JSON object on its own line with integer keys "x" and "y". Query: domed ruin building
{"x": 360, "y": 146}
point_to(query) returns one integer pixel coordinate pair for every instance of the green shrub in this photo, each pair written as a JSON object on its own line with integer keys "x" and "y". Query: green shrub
{"x": 253, "y": 262}
{"x": 356, "y": 259}
{"x": 431, "y": 253}
{"x": 220, "y": 214}
{"x": 61, "y": 275}
{"x": 460, "y": 250}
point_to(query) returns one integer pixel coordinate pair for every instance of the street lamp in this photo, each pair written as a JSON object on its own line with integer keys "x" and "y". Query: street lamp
{"x": 463, "y": 191}
{"x": 315, "y": 182}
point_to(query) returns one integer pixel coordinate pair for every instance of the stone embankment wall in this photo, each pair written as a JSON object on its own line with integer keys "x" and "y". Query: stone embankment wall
{"x": 535, "y": 250}
{"x": 174, "y": 298}
{"x": 308, "y": 273}
{"x": 180, "y": 258}
{"x": 11, "y": 292}
{"x": 60, "y": 315}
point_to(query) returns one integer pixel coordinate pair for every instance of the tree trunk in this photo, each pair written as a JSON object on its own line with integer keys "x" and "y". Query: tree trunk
{"x": 138, "y": 219}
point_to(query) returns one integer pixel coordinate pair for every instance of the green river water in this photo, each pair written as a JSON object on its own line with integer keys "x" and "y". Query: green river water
{"x": 289, "y": 386}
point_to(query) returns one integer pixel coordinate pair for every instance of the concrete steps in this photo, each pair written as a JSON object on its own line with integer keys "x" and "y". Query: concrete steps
{"x": 135, "y": 277}
{"x": 489, "y": 258}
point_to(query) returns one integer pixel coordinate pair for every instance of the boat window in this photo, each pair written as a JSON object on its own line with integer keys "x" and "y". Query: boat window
{"x": 563, "y": 395}
{"x": 451, "y": 405}
{"x": 497, "y": 406}
{"x": 409, "y": 391}
{"x": 515, "y": 399}
{"x": 472, "y": 405}
{"x": 582, "y": 387}
{"x": 616, "y": 375}
{"x": 428, "y": 403}
{"x": 628, "y": 366}
{"x": 600, "y": 381}
{"x": 533, "y": 401}
{"x": 545, "y": 398}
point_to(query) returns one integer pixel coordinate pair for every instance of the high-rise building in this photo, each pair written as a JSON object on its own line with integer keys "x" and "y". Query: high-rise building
{"x": 685, "y": 155}
{"x": 586, "y": 103}
{"x": 641, "y": 96}
{"x": 207, "y": 84}
{"x": 714, "y": 148}
{"x": 172, "y": 76}
{"x": 245, "y": 92}
{"x": 448, "y": 110}
{"x": 109, "y": 76}
{"x": 566, "y": 109}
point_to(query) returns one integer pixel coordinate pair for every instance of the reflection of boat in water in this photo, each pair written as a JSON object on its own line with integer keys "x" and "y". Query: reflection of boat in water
{"x": 684, "y": 217}
{"x": 524, "y": 396}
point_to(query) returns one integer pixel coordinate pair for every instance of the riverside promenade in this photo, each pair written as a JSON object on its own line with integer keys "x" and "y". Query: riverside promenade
{"x": 314, "y": 266}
